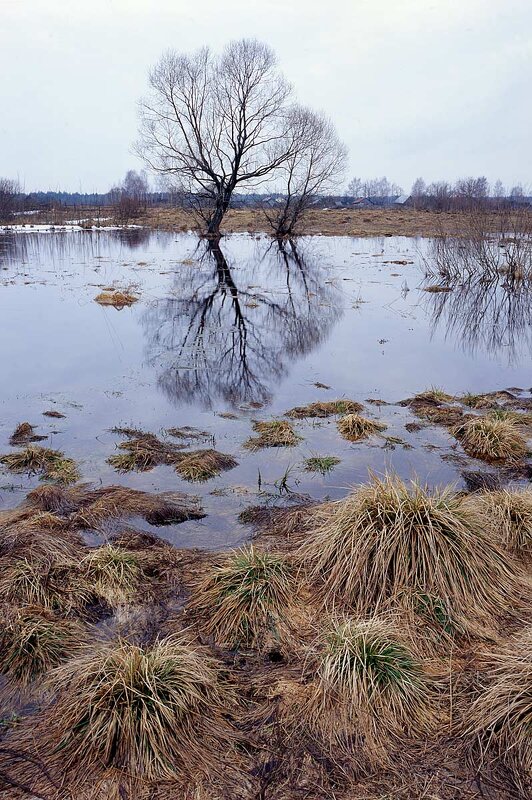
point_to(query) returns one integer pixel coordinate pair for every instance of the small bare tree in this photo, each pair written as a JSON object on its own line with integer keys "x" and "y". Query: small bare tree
{"x": 316, "y": 161}
{"x": 130, "y": 198}
{"x": 214, "y": 123}
{"x": 9, "y": 190}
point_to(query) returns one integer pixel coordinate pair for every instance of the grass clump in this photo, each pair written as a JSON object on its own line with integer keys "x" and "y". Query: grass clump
{"x": 354, "y": 427}
{"x": 113, "y": 573}
{"x": 53, "y": 584}
{"x": 491, "y": 439}
{"x": 33, "y": 640}
{"x": 92, "y": 508}
{"x": 325, "y": 409}
{"x": 24, "y": 434}
{"x": 389, "y": 537}
{"x": 51, "y": 464}
{"x": 243, "y": 599}
{"x": 509, "y": 515}
{"x": 201, "y": 465}
{"x": 154, "y": 712}
{"x": 143, "y": 451}
{"x": 273, "y": 433}
{"x": 321, "y": 464}
{"x": 118, "y": 298}
{"x": 500, "y": 719}
{"x": 369, "y": 687}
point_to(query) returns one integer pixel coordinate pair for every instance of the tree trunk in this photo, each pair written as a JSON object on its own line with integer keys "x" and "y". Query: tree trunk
{"x": 220, "y": 209}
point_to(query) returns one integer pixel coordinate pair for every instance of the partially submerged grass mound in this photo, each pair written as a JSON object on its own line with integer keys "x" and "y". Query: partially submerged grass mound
{"x": 354, "y": 427}
{"x": 113, "y": 573}
{"x": 369, "y": 688}
{"x": 33, "y": 640}
{"x": 321, "y": 464}
{"x": 50, "y": 464}
{"x": 325, "y": 409}
{"x": 241, "y": 601}
{"x": 389, "y": 537}
{"x": 509, "y": 515}
{"x": 24, "y": 434}
{"x": 143, "y": 451}
{"x": 500, "y": 719}
{"x": 492, "y": 438}
{"x": 272, "y": 433}
{"x": 201, "y": 465}
{"x": 118, "y": 298}
{"x": 154, "y": 713}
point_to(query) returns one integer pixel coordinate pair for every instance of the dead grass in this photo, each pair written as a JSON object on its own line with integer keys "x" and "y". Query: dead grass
{"x": 491, "y": 439}
{"x": 118, "y": 298}
{"x": 50, "y": 464}
{"x": 55, "y": 584}
{"x": 242, "y": 600}
{"x": 508, "y": 514}
{"x": 154, "y": 712}
{"x": 143, "y": 451}
{"x": 202, "y": 465}
{"x": 388, "y": 537}
{"x": 33, "y": 640}
{"x": 113, "y": 573}
{"x": 273, "y": 433}
{"x": 369, "y": 689}
{"x": 325, "y": 409}
{"x": 354, "y": 427}
{"x": 500, "y": 719}
{"x": 24, "y": 434}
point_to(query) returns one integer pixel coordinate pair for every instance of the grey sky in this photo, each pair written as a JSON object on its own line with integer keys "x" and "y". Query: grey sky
{"x": 439, "y": 89}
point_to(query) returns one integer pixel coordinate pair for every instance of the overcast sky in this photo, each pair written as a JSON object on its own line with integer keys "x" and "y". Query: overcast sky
{"x": 438, "y": 88}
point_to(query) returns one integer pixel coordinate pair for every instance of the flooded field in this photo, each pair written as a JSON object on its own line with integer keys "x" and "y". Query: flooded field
{"x": 218, "y": 340}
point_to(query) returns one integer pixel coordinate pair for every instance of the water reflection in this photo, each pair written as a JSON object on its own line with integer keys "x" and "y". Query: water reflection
{"x": 490, "y": 316}
{"x": 230, "y": 330}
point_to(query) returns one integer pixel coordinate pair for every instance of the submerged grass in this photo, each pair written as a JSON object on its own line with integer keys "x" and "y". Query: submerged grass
{"x": 33, "y": 640}
{"x": 24, "y": 434}
{"x": 272, "y": 433}
{"x": 241, "y": 601}
{"x": 354, "y": 427}
{"x": 325, "y": 409}
{"x": 51, "y": 464}
{"x": 492, "y": 438}
{"x": 322, "y": 464}
{"x": 202, "y": 465}
{"x": 388, "y": 537}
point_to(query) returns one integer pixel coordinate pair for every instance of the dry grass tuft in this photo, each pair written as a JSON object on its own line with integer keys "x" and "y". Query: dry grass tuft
{"x": 369, "y": 688}
{"x": 201, "y": 465}
{"x": 491, "y": 439}
{"x": 155, "y": 712}
{"x": 242, "y": 600}
{"x": 508, "y": 514}
{"x": 33, "y": 640}
{"x": 113, "y": 573}
{"x": 500, "y": 719}
{"x": 143, "y": 451}
{"x": 118, "y": 298}
{"x": 354, "y": 427}
{"x": 325, "y": 409}
{"x": 389, "y": 537}
{"x": 274, "y": 433}
{"x": 24, "y": 434}
{"x": 55, "y": 584}
{"x": 51, "y": 464}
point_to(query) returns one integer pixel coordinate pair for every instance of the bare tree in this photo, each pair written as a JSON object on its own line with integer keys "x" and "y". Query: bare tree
{"x": 215, "y": 123}
{"x": 374, "y": 187}
{"x": 9, "y": 190}
{"x": 316, "y": 162}
{"x": 130, "y": 198}
{"x": 355, "y": 187}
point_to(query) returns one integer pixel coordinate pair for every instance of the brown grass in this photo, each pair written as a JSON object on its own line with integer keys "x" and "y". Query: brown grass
{"x": 24, "y": 434}
{"x": 143, "y": 451}
{"x": 325, "y": 409}
{"x": 202, "y": 465}
{"x": 118, "y": 298}
{"x": 388, "y": 537}
{"x": 273, "y": 433}
{"x": 242, "y": 600}
{"x": 55, "y": 584}
{"x": 94, "y": 507}
{"x": 354, "y": 427}
{"x": 508, "y": 514}
{"x": 492, "y": 439}
{"x": 113, "y": 574}
{"x": 500, "y": 719}
{"x": 50, "y": 464}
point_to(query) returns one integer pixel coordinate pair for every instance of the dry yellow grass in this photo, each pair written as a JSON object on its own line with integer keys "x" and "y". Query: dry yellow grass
{"x": 492, "y": 439}
{"x": 323, "y": 409}
{"x": 508, "y": 514}
{"x": 354, "y": 427}
{"x": 118, "y": 298}
{"x": 272, "y": 433}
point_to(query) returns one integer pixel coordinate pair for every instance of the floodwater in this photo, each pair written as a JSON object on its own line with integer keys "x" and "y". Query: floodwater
{"x": 249, "y": 330}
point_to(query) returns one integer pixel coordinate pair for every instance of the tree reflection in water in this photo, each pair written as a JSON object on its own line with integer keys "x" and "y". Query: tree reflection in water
{"x": 230, "y": 331}
{"x": 491, "y": 316}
